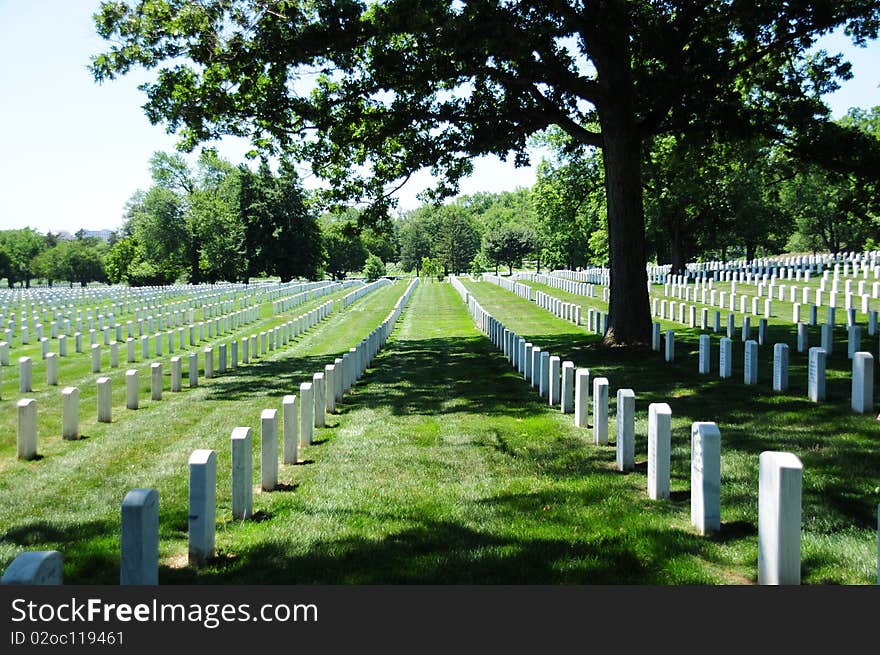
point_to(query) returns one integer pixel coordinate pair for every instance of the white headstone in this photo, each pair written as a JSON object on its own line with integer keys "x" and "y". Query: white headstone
{"x": 70, "y": 413}
{"x": 582, "y": 397}
{"x": 863, "y": 382}
{"x": 780, "y": 367}
{"x": 626, "y": 435}
{"x": 27, "y": 428}
{"x": 131, "y": 389}
{"x": 290, "y": 446}
{"x": 242, "y": 474}
{"x": 202, "y": 505}
{"x": 705, "y": 477}
{"x": 105, "y": 400}
{"x": 139, "y": 561}
{"x": 816, "y": 374}
{"x": 600, "y": 411}
{"x": 780, "y": 479}
{"x": 269, "y": 449}
{"x": 659, "y": 448}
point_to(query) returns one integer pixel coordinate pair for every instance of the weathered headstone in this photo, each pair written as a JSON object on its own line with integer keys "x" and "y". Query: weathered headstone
{"x": 670, "y": 346}
{"x": 803, "y": 341}
{"x": 96, "y": 358}
{"x": 780, "y": 479}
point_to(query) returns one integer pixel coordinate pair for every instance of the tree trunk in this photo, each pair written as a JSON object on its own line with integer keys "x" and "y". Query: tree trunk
{"x": 629, "y": 314}
{"x": 676, "y": 246}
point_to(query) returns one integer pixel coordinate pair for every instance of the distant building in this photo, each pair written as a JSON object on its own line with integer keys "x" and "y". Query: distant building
{"x": 103, "y": 235}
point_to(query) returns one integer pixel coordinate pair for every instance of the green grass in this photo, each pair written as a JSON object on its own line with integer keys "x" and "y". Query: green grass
{"x": 444, "y": 466}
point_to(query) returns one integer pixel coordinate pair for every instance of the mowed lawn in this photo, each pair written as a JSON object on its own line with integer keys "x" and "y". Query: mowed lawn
{"x": 838, "y": 448}
{"x": 444, "y": 466}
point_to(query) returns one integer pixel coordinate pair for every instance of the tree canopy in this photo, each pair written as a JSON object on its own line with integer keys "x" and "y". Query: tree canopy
{"x": 371, "y": 92}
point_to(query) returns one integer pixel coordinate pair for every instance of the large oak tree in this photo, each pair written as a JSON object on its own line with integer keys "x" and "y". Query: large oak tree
{"x": 370, "y": 92}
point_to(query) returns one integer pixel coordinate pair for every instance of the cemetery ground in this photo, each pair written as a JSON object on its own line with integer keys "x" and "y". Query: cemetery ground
{"x": 444, "y": 466}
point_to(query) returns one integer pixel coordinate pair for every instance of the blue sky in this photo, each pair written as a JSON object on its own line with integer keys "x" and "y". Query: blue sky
{"x": 72, "y": 152}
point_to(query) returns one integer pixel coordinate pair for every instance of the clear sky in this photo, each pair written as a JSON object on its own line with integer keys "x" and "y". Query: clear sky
{"x": 72, "y": 152}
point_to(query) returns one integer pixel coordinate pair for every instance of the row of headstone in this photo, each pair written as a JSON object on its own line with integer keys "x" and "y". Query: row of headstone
{"x": 780, "y": 473}
{"x": 520, "y": 289}
{"x": 140, "y": 516}
{"x": 568, "y": 285}
{"x": 365, "y": 289}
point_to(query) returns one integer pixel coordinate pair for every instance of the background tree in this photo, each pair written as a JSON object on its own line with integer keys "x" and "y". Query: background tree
{"x": 508, "y": 245}
{"x": 21, "y": 247}
{"x": 374, "y": 268}
{"x": 343, "y": 250}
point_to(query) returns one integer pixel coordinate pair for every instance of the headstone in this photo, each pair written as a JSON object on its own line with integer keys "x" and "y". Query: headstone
{"x": 659, "y": 448}
{"x": 51, "y": 369}
{"x": 105, "y": 400}
{"x": 670, "y": 345}
{"x": 209, "y": 362}
{"x": 35, "y": 567}
{"x": 705, "y": 345}
{"x": 202, "y": 505}
{"x": 655, "y": 337}
{"x": 780, "y": 479}
{"x": 139, "y": 561}
{"x": 330, "y": 391}
{"x": 803, "y": 341}
{"x": 827, "y": 338}
{"x": 27, "y": 428}
{"x": 582, "y": 397}
{"x": 626, "y": 430}
{"x": 705, "y": 477}
{"x": 156, "y": 381}
{"x": 319, "y": 391}
{"x": 780, "y": 367}
{"x": 193, "y": 370}
{"x": 131, "y": 389}
{"x": 567, "y": 400}
{"x": 176, "y": 374}
{"x": 242, "y": 474}
{"x": 816, "y": 375}
{"x": 96, "y": 358}
{"x": 854, "y": 340}
{"x": 863, "y": 383}
{"x": 307, "y": 413}
{"x": 554, "y": 386}
{"x": 544, "y": 380}
{"x": 269, "y": 449}
{"x": 70, "y": 413}
{"x": 725, "y": 358}
{"x": 290, "y": 428}
{"x": 750, "y": 369}
{"x": 600, "y": 411}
